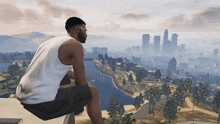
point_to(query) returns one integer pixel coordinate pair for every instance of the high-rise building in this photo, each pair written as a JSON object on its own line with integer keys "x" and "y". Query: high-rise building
{"x": 172, "y": 65}
{"x": 145, "y": 42}
{"x": 165, "y": 39}
{"x": 174, "y": 41}
{"x": 216, "y": 52}
{"x": 156, "y": 43}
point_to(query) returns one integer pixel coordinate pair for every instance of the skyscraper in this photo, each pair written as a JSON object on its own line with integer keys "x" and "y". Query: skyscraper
{"x": 174, "y": 41}
{"x": 165, "y": 39}
{"x": 145, "y": 42}
{"x": 172, "y": 65}
{"x": 156, "y": 43}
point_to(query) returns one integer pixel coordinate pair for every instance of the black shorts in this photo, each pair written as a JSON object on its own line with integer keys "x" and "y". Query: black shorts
{"x": 67, "y": 100}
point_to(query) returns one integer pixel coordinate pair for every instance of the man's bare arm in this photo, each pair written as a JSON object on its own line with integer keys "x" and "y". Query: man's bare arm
{"x": 76, "y": 49}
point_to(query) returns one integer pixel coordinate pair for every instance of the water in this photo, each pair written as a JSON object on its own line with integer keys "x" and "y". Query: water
{"x": 105, "y": 87}
{"x": 4, "y": 67}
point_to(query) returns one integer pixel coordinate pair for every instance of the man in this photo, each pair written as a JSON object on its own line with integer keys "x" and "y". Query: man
{"x": 39, "y": 90}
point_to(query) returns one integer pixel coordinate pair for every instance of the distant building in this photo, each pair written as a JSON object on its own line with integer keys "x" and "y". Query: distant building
{"x": 103, "y": 50}
{"x": 28, "y": 55}
{"x": 156, "y": 43}
{"x": 216, "y": 52}
{"x": 183, "y": 65}
{"x": 135, "y": 60}
{"x": 172, "y": 65}
{"x": 183, "y": 47}
{"x": 97, "y": 50}
{"x": 203, "y": 60}
{"x": 165, "y": 39}
{"x": 145, "y": 42}
{"x": 174, "y": 41}
{"x": 135, "y": 48}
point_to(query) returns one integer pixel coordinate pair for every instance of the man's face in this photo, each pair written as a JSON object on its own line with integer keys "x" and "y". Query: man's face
{"x": 82, "y": 34}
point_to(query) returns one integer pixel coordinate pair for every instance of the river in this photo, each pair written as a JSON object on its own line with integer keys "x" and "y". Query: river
{"x": 105, "y": 87}
{"x": 4, "y": 67}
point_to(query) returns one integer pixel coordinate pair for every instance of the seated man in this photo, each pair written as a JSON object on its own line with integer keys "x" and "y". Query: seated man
{"x": 39, "y": 90}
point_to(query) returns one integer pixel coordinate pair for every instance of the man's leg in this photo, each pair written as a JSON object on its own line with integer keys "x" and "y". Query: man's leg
{"x": 93, "y": 107}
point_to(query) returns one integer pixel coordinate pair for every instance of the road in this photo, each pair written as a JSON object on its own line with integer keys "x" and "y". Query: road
{"x": 144, "y": 110}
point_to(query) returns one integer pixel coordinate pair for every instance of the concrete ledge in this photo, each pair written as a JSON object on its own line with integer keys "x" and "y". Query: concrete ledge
{"x": 11, "y": 120}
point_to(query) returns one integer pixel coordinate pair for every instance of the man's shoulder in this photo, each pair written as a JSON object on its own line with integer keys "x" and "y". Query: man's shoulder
{"x": 72, "y": 42}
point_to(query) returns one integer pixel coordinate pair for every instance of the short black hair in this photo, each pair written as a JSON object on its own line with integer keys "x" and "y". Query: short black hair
{"x": 72, "y": 21}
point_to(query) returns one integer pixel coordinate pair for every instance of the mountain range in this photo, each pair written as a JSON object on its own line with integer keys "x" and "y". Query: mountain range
{"x": 22, "y": 42}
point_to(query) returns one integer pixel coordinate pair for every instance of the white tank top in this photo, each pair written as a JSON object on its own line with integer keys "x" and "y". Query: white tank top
{"x": 41, "y": 81}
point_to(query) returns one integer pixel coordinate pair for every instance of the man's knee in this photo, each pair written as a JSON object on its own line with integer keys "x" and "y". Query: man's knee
{"x": 94, "y": 90}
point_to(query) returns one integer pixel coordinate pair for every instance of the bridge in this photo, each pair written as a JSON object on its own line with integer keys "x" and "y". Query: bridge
{"x": 89, "y": 59}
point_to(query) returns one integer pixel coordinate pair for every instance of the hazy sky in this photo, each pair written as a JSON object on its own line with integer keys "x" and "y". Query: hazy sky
{"x": 49, "y": 16}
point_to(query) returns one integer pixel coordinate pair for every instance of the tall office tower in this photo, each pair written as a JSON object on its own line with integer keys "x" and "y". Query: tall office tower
{"x": 216, "y": 52}
{"x": 165, "y": 39}
{"x": 145, "y": 42}
{"x": 172, "y": 65}
{"x": 174, "y": 41}
{"x": 156, "y": 43}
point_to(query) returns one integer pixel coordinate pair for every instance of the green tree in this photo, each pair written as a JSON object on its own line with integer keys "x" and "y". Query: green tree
{"x": 167, "y": 79}
{"x": 204, "y": 92}
{"x": 179, "y": 96}
{"x": 130, "y": 78}
{"x": 136, "y": 102}
{"x": 112, "y": 66}
{"x": 122, "y": 64}
{"x": 24, "y": 64}
{"x": 13, "y": 68}
{"x": 153, "y": 95}
{"x": 139, "y": 76}
{"x": 114, "y": 121}
{"x": 103, "y": 61}
{"x": 141, "y": 98}
{"x": 121, "y": 110}
{"x": 112, "y": 108}
{"x": 166, "y": 90}
{"x": 126, "y": 120}
{"x": 106, "y": 56}
{"x": 157, "y": 74}
{"x": 170, "y": 109}
{"x": 216, "y": 103}
{"x": 124, "y": 82}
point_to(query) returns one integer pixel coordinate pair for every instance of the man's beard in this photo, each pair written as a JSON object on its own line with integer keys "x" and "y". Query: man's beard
{"x": 82, "y": 39}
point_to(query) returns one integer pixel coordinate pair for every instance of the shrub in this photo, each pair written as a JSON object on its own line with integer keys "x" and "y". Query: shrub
{"x": 133, "y": 120}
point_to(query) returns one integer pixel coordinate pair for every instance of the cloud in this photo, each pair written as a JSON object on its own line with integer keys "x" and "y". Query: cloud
{"x": 51, "y": 17}
{"x": 134, "y": 16}
{"x": 96, "y": 37}
{"x": 56, "y": 11}
{"x": 205, "y": 20}
{"x": 106, "y": 27}
{"x": 10, "y": 13}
